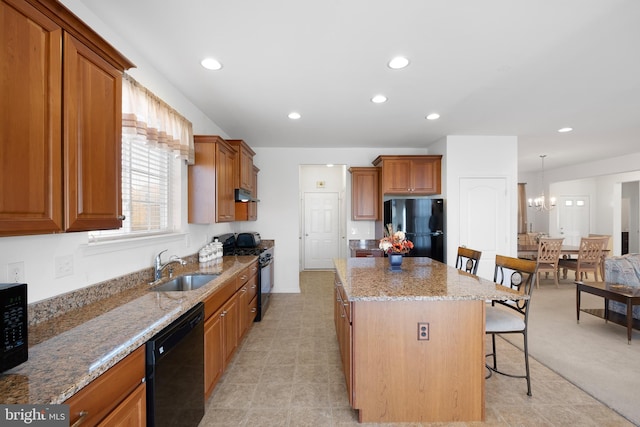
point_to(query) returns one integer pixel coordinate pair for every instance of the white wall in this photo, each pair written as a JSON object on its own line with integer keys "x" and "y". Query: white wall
{"x": 582, "y": 187}
{"x": 603, "y": 181}
{"x": 279, "y": 214}
{"x": 477, "y": 157}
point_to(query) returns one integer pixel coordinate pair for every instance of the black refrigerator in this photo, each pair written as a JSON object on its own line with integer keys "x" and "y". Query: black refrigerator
{"x": 422, "y": 221}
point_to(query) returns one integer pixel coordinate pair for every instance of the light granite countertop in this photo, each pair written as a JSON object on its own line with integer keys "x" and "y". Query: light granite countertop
{"x": 370, "y": 279}
{"x": 70, "y": 353}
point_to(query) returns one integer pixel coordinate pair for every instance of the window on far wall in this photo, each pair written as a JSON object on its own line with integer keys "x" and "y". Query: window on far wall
{"x": 153, "y": 136}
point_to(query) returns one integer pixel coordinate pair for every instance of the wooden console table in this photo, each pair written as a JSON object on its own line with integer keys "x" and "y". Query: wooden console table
{"x": 628, "y": 295}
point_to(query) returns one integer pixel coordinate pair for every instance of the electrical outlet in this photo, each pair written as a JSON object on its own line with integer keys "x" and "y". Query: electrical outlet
{"x": 64, "y": 266}
{"x": 15, "y": 272}
{"x": 423, "y": 331}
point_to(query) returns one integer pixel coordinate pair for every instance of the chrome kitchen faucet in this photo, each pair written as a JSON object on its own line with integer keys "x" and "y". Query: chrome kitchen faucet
{"x": 158, "y": 266}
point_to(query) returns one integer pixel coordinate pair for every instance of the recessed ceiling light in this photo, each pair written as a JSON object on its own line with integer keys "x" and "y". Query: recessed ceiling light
{"x": 433, "y": 116}
{"x": 398, "y": 62}
{"x": 379, "y": 99}
{"x": 563, "y": 130}
{"x": 294, "y": 116}
{"x": 211, "y": 64}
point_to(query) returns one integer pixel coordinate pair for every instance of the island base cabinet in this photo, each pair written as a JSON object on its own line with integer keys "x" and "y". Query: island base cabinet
{"x": 399, "y": 378}
{"x": 342, "y": 319}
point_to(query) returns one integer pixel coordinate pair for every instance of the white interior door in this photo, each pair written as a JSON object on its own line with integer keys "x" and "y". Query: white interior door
{"x": 573, "y": 218}
{"x": 484, "y": 224}
{"x": 321, "y": 230}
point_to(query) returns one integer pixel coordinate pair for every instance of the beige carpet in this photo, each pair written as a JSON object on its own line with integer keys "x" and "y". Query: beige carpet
{"x": 593, "y": 355}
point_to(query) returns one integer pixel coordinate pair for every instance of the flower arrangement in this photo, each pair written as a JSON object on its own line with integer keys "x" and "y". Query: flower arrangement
{"x": 395, "y": 243}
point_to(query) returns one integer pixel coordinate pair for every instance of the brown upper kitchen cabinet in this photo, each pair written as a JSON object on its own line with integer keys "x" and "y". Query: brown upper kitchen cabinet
{"x": 246, "y": 178}
{"x": 60, "y": 122}
{"x": 211, "y": 181}
{"x": 244, "y": 164}
{"x": 365, "y": 193}
{"x": 248, "y": 211}
{"x": 410, "y": 175}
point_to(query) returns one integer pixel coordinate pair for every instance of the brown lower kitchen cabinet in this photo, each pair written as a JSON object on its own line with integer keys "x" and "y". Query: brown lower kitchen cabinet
{"x": 117, "y": 397}
{"x": 230, "y": 327}
{"x": 213, "y": 359}
{"x": 228, "y": 316}
{"x": 215, "y": 329}
{"x": 248, "y": 279}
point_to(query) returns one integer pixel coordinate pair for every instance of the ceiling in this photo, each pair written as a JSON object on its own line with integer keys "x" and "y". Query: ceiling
{"x": 491, "y": 67}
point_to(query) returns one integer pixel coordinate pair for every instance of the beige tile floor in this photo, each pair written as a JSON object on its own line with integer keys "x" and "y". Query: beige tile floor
{"x": 287, "y": 373}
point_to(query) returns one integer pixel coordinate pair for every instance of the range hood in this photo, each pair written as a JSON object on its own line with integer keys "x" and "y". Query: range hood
{"x": 243, "y": 195}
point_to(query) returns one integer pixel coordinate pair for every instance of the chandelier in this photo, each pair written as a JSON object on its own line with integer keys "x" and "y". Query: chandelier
{"x": 540, "y": 203}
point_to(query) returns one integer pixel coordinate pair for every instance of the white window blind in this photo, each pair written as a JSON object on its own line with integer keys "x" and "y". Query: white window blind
{"x": 145, "y": 187}
{"x": 146, "y": 196}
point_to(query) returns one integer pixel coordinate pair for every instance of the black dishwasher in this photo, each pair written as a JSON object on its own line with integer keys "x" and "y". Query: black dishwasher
{"x": 175, "y": 372}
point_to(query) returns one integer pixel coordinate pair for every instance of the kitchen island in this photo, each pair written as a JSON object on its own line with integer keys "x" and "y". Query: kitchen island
{"x": 412, "y": 342}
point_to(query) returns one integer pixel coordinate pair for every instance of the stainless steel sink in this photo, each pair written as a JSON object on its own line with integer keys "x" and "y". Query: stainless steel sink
{"x": 187, "y": 282}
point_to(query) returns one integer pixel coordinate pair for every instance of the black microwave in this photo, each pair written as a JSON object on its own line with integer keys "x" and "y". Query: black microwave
{"x": 13, "y": 325}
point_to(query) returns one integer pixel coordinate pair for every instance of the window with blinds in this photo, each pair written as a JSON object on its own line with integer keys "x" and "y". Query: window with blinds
{"x": 145, "y": 188}
{"x": 146, "y": 197}
{"x": 154, "y": 135}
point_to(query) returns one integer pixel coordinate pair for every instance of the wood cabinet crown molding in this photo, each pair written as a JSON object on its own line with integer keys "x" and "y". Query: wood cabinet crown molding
{"x": 73, "y": 25}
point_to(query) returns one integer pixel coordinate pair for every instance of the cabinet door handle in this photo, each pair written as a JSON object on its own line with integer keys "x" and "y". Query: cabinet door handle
{"x": 223, "y": 313}
{"x": 121, "y": 217}
{"x": 79, "y": 421}
{"x": 253, "y": 310}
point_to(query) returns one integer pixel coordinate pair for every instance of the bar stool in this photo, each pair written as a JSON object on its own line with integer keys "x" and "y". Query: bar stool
{"x": 511, "y": 317}
{"x": 468, "y": 259}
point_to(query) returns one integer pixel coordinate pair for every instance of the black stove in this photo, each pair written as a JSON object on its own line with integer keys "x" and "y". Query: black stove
{"x": 244, "y": 251}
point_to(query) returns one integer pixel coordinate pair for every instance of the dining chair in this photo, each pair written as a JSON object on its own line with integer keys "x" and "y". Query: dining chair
{"x": 511, "y": 317}
{"x": 589, "y": 258}
{"x": 548, "y": 257}
{"x": 468, "y": 259}
{"x": 606, "y": 251}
